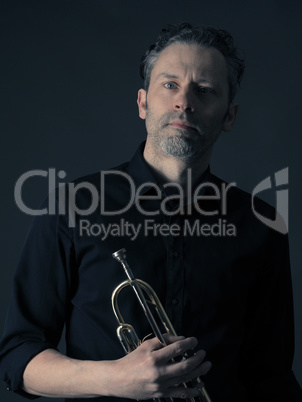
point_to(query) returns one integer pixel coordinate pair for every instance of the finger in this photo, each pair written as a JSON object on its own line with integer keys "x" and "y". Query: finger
{"x": 154, "y": 343}
{"x": 178, "y": 348}
{"x": 205, "y": 367}
{"x": 187, "y": 370}
{"x": 172, "y": 338}
{"x": 194, "y": 375}
{"x": 151, "y": 344}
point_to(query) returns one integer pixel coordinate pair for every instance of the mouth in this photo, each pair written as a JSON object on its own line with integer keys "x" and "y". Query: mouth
{"x": 182, "y": 125}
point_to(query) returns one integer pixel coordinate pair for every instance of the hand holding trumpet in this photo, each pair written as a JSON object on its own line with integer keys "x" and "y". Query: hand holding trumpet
{"x": 147, "y": 372}
{"x": 164, "y": 363}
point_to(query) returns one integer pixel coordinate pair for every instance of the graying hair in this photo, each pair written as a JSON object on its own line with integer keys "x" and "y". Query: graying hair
{"x": 200, "y": 35}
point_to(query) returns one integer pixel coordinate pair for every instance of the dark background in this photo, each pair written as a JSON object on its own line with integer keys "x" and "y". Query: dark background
{"x": 69, "y": 80}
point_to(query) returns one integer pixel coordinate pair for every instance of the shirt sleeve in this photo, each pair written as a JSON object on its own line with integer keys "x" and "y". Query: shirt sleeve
{"x": 38, "y": 304}
{"x": 268, "y": 348}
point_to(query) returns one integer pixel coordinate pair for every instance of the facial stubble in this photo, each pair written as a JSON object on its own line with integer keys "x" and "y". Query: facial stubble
{"x": 184, "y": 144}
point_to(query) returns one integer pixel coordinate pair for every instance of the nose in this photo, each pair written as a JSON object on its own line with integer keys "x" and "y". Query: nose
{"x": 184, "y": 101}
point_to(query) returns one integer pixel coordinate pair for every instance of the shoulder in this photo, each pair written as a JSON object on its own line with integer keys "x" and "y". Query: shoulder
{"x": 240, "y": 201}
{"x": 254, "y": 216}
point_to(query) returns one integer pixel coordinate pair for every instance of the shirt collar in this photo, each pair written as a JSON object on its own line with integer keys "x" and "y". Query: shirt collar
{"x": 141, "y": 173}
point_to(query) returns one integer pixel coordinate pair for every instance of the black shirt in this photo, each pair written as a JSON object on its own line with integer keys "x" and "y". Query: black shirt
{"x": 221, "y": 274}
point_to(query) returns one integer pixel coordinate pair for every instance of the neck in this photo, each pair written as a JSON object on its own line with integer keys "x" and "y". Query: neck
{"x": 169, "y": 169}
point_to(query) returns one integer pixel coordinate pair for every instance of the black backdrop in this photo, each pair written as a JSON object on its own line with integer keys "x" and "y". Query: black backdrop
{"x": 69, "y": 79}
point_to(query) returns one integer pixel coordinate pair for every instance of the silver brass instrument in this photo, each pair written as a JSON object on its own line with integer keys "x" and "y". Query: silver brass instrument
{"x": 147, "y": 298}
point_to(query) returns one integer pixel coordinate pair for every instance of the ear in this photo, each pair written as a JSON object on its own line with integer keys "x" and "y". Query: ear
{"x": 230, "y": 117}
{"x": 142, "y": 102}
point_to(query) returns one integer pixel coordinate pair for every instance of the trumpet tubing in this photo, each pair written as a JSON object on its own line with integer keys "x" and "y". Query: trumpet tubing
{"x": 147, "y": 298}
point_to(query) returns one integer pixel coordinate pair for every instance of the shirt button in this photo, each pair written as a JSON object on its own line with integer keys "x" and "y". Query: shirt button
{"x": 174, "y": 302}
{"x": 175, "y": 254}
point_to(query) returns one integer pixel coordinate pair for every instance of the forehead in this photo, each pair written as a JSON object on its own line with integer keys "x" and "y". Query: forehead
{"x": 199, "y": 62}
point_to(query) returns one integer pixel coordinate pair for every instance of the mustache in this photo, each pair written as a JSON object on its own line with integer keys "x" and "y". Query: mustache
{"x": 183, "y": 117}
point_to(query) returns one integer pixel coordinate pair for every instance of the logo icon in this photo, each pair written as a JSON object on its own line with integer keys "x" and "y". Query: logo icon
{"x": 280, "y": 223}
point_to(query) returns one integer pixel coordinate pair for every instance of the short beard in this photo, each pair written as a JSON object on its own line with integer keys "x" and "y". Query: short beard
{"x": 179, "y": 147}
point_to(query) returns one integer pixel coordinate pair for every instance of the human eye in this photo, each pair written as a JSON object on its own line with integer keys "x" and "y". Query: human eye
{"x": 170, "y": 85}
{"x": 205, "y": 90}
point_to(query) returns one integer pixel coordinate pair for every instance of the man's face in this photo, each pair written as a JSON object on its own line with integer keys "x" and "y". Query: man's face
{"x": 187, "y": 103}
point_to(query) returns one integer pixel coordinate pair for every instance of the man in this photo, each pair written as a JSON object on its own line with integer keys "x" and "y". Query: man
{"x": 222, "y": 276}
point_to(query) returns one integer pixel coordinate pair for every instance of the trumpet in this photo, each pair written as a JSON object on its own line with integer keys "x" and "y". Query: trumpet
{"x": 147, "y": 299}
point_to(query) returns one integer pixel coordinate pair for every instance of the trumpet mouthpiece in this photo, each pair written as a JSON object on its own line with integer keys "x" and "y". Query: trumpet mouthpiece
{"x": 120, "y": 255}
